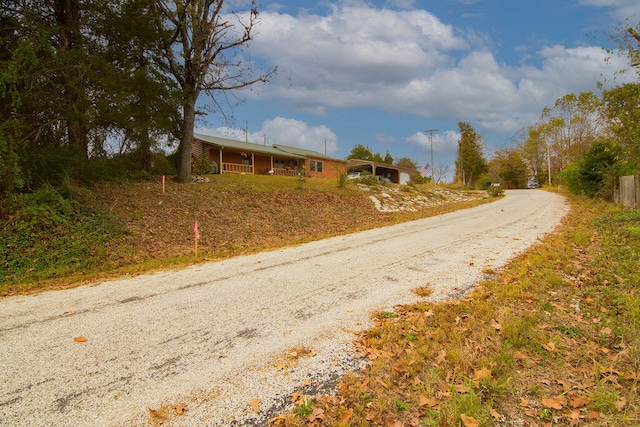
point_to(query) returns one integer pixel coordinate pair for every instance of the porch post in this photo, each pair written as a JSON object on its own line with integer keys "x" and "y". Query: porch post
{"x": 221, "y": 167}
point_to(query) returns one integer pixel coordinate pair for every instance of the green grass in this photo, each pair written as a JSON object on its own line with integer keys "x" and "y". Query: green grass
{"x": 46, "y": 235}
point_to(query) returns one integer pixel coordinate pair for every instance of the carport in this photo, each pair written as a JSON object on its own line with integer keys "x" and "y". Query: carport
{"x": 381, "y": 171}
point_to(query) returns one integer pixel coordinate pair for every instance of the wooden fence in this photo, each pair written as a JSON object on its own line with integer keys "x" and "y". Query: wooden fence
{"x": 628, "y": 191}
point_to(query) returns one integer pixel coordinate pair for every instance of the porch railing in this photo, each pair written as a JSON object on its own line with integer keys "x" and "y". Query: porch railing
{"x": 236, "y": 168}
{"x": 284, "y": 172}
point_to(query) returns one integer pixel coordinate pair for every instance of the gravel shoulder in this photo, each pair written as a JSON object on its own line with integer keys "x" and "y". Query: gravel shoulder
{"x": 219, "y": 336}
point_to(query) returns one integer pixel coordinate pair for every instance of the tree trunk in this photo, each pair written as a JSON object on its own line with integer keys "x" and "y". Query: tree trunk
{"x": 184, "y": 152}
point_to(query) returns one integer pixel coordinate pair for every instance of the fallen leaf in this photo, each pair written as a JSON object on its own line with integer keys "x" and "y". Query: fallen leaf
{"x": 495, "y": 325}
{"x": 428, "y": 401}
{"x": 280, "y": 420}
{"x": 552, "y": 403}
{"x": 255, "y": 405}
{"x": 482, "y": 374}
{"x": 495, "y": 414}
{"x": 80, "y": 339}
{"x": 524, "y": 402}
{"x": 549, "y": 346}
{"x": 317, "y": 414}
{"x": 346, "y": 416}
{"x": 153, "y": 412}
{"x": 379, "y": 381}
{"x": 606, "y": 331}
{"x": 180, "y": 409}
{"x": 461, "y": 388}
{"x": 593, "y": 415}
{"x": 306, "y": 383}
{"x": 574, "y": 416}
{"x": 621, "y": 404}
{"x": 469, "y": 421}
{"x": 577, "y": 402}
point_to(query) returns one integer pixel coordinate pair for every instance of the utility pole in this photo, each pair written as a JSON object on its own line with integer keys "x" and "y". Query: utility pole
{"x": 430, "y": 132}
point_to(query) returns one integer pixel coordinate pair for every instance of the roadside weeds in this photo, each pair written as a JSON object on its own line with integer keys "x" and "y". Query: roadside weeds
{"x": 552, "y": 340}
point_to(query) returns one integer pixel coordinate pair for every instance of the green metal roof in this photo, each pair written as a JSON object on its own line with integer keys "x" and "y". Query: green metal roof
{"x": 244, "y": 146}
{"x": 306, "y": 153}
{"x": 275, "y": 150}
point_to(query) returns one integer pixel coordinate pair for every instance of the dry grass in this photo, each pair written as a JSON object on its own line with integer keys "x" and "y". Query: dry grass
{"x": 552, "y": 340}
{"x": 236, "y": 214}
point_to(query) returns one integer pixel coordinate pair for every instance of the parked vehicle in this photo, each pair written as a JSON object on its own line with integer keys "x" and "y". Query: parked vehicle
{"x": 533, "y": 183}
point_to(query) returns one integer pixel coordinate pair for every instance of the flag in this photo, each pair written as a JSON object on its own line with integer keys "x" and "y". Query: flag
{"x": 195, "y": 230}
{"x": 425, "y": 170}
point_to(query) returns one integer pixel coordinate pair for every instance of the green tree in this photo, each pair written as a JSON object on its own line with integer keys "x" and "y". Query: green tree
{"x": 576, "y": 122}
{"x": 75, "y": 74}
{"x": 360, "y": 152}
{"x": 510, "y": 167}
{"x": 407, "y": 163}
{"x": 387, "y": 158}
{"x": 594, "y": 174}
{"x": 534, "y": 152}
{"x": 470, "y": 163}
{"x": 621, "y": 109}
{"x": 200, "y": 45}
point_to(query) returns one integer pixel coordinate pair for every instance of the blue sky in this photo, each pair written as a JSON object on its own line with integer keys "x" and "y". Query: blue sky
{"x": 380, "y": 73}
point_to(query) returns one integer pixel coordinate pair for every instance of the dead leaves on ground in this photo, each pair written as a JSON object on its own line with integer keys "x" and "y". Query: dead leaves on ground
{"x": 161, "y": 415}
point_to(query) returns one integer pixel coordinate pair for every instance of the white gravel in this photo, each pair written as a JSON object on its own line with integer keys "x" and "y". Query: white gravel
{"x": 213, "y": 336}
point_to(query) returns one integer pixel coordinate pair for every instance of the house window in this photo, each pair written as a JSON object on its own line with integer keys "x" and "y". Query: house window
{"x": 315, "y": 166}
{"x": 279, "y": 164}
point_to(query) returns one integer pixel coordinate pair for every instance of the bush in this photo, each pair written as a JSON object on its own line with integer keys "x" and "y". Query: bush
{"x": 342, "y": 180}
{"x": 594, "y": 174}
{"x": 201, "y": 165}
{"x": 47, "y": 235}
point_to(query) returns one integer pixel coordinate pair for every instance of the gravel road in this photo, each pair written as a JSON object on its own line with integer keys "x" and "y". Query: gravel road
{"x": 218, "y": 337}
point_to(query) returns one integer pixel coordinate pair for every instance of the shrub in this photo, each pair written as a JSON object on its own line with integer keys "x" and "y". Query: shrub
{"x": 201, "y": 165}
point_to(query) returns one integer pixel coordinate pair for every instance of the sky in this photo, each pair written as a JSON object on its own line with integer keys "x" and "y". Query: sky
{"x": 382, "y": 72}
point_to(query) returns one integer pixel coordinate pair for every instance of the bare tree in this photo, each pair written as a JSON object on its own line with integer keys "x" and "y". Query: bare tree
{"x": 200, "y": 45}
{"x": 441, "y": 171}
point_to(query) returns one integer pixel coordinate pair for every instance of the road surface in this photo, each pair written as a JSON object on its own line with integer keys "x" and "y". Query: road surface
{"x": 231, "y": 340}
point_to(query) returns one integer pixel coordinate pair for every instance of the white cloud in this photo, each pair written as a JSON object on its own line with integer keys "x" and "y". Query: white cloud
{"x": 444, "y": 143}
{"x": 410, "y": 62}
{"x": 620, "y": 9}
{"x": 296, "y": 133}
{"x": 291, "y": 132}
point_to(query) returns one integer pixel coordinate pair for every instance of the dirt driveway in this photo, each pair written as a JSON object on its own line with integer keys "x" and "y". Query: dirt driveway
{"x": 231, "y": 340}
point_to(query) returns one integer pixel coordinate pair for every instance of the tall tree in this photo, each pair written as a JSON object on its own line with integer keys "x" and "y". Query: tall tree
{"x": 534, "y": 152}
{"x": 200, "y": 45}
{"x": 406, "y": 162}
{"x": 623, "y": 114}
{"x": 471, "y": 162}
{"x": 360, "y": 152}
{"x": 578, "y": 124}
{"x": 509, "y": 166}
{"x": 387, "y": 158}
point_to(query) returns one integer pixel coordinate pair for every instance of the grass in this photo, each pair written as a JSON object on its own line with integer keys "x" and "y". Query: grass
{"x": 61, "y": 237}
{"x": 552, "y": 339}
